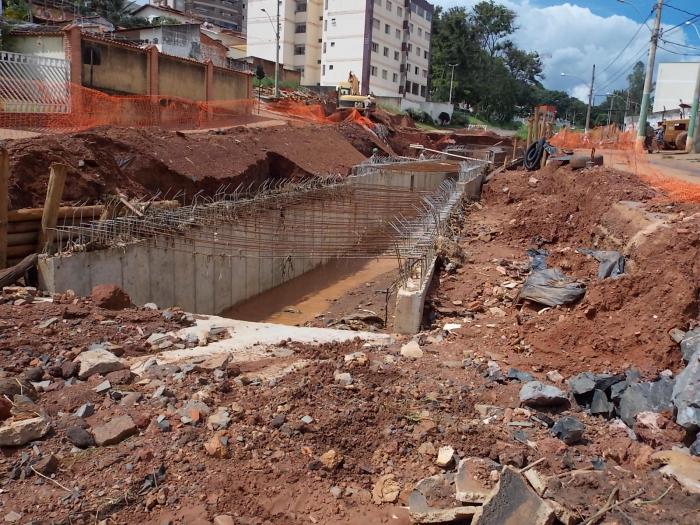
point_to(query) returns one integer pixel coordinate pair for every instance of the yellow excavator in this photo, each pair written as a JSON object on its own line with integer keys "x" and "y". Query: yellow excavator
{"x": 349, "y": 95}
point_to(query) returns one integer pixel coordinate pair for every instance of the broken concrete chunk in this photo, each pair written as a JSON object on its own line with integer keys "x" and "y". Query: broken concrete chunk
{"x": 683, "y": 468}
{"x": 412, "y": 350}
{"x": 98, "y": 361}
{"x": 431, "y": 501}
{"x": 535, "y": 393}
{"x": 117, "y": 430}
{"x": 471, "y": 479}
{"x": 343, "y": 378}
{"x": 690, "y": 343}
{"x": 386, "y": 490}
{"x": 18, "y": 433}
{"x": 85, "y": 410}
{"x": 686, "y": 394}
{"x": 513, "y": 501}
{"x": 445, "y": 456}
{"x": 646, "y": 397}
{"x": 519, "y": 375}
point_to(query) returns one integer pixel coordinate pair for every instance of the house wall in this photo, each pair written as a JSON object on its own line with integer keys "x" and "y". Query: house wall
{"x": 675, "y": 81}
{"x": 179, "y": 78}
{"x": 121, "y": 69}
{"x": 39, "y": 45}
{"x": 229, "y": 85}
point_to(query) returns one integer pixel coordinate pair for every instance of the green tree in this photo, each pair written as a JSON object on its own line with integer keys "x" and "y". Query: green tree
{"x": 118, "y": 12}
{"x": 16, "y": 10}
{"x": 635, "y": 82}
{"x": 492, "y": 23}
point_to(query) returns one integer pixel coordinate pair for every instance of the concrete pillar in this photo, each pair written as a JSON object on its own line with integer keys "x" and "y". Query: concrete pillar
{"x": 209, "y": 88}
{"x": 74, "y": 54}
{"x": 152, "y": 70}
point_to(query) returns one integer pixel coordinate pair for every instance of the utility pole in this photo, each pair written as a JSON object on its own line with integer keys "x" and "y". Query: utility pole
{"x": 610, "y": 109}
{"x": 690, "y": 141}
{"x": 452, "y": 77}
{"x": 590, "y": 102}
{"x": 643, "y": 109}
{"x": 277, "y": 54}
{"x": 627, "y": 105}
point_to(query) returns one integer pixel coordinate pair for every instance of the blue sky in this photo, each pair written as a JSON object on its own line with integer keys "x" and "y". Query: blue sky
{"x": 572, "y": 36}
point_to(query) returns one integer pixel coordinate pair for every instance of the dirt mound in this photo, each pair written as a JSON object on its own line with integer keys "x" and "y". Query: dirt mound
{"x": 619, "y": 323}
{"x": 147, "y": 161}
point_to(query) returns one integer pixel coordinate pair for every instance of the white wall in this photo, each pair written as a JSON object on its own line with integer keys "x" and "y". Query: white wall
{"x": 343, "y": 38}
{"x": 675, "y": 81}
{"x": 43, "y": 46}
{"x": 431, "y": 108}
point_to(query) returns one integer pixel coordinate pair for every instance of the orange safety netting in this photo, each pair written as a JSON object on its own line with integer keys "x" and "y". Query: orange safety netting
{"x": 84, "y": 108}
{"x": 667, "y": 170}
{"x": 316, "y": 113}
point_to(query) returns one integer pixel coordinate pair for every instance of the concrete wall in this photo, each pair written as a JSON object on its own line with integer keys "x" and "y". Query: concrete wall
{"x": 180, "y": 78}
{"x": 39, "y": 45}
{"x": 431, "y": 108}
{"x": 121, "y": 69}
{"x": 229, "y": 85}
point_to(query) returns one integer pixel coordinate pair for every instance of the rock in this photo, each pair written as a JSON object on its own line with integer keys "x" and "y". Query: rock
{"x": 684, "y": 468}
{"x": 219, "y": 420}
{"x": 69, "y": 369}
{"x": 5, "y": 409}
{"x": 494, "y": 372}
{"x": 117, "y": 430}
{"x": 686, "y": 394}
{"x": 386, "y": 490}
{"x": 150, "y": 306}
{"x": 469, "y": 480}
{"x": 695, "y": 447}
{"x": 536, "y": 481}
{"x": 336, "y": 492}
{"x": 676, "y": 334}
{"x": 342, "y": 378}
{"x": 80, "y": 437}
{"x": 519, "y": 375}
{"x": 568, "y": 429}
{"x": 34, "y": 374}
{"x": 600, "y": 406}
{"x": 646, "y": 397}
{"x": 217, "y": 446}
{"x": 513, "y": 501}
{"x": 98, "y": 361}
{"x": 47, "y": 465}
{"x": 582, "y": 383}
{"x": 85, "y": 410}
{"x": 224, "y": 519}
{"x": 120, "y": 377}
{"x": 12, "y": 386}
{"x": 18, "y": 433}
{"x": 359, "y": 358}
{"x": 110, "y": 297}
{"x": 488, "y": 410}
{"x": 554, "y": 376}
{"x": 657, "y": 430}
{"x": 428, "y": 501}
{"x": 690, "y": 343}
{"x": 445, "y": 457}
{"x": 427, "y": 449}
{"x": 103, "y": 387}
{"x": 331, "y": 460}
{"x": 12, "y": 517}
{"x": 307, "y": 420}
{"x": 412, "y": 350}
{"x": 535, "y": 393}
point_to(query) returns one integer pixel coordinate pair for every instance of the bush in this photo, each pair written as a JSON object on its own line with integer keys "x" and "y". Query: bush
{"x": 459, "y": 118}
{"x": 420, "y": 116}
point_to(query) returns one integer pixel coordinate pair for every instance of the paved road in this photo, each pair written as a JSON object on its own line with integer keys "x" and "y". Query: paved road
{"x": 672, "y": 164}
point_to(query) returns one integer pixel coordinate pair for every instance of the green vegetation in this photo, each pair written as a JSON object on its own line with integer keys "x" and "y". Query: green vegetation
{"x": 16, "y": 10}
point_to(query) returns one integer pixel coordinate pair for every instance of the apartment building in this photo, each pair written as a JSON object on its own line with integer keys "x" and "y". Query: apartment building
{"x": 386, "y": 43}
{"x": 228, "y": 14}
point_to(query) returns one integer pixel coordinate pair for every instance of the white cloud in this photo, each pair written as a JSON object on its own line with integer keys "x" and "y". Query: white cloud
{"x": 571, "y": 38}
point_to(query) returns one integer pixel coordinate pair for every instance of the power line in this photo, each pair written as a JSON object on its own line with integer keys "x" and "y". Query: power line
{"x": 680, "y": 45}
{"x": 628, "y": 43}
{"x": 680, "y": 54}
{"x": 681, "y": 10}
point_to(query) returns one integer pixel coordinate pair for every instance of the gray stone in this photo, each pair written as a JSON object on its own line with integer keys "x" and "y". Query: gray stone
{"x": 117, "y": 430}
{"x": 676, "y": 334}
{"x": 219, "y": 420}
{"x": 513, "y": 501}
{"x": 568, "y": 429}
{"x": 42, "y": 386}
{"x": 98, "y": 361}
{"x": 21, "y": 432}
{"x": 80, "y": 437}
{"x": 600, "y": 406}
{"x": 690, "y": 344}
{"x": 412, "y": 350}
{"x": 163, "y": 391}
{"x": 336, "y": 492}
{"x": 47, "y": 465}
{"x": 103, "y": 387}
{"x": 695, "y": 447}
{"x": 582, "y": 384}
{"x": 617, "y": 390}
{"x": 12, "y": 517}
{"x": 686, "y": 394}
{"x": 494, "y": 372}
{"x": 646, "y": 397}
{"x": 343, "y": 378}
{"x": 535, "y": 393}
{"x": 468, "y": 487}
{"x": 445, "y": 456}
{"x": 519, "y": 375}
{"x": 307, "y": 420}
{"x": 85, "y": 410}
{"x": 34, "y": 374}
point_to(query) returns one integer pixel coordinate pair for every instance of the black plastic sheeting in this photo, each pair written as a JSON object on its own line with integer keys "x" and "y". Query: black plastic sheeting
{"x": 549, "y": 286}
{"x": 612, "y": 263}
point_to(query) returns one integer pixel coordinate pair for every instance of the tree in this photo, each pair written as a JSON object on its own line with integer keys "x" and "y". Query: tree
{"x": 635, "y": 82}
{"x": 16, "y": 10}
{"x": 118, "y": 12}
{"x": 492, "y": 23}
{"x": 525, "y": 67}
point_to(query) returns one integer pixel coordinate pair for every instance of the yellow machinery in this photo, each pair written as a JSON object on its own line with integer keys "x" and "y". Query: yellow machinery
{"x": 349, "y": 95}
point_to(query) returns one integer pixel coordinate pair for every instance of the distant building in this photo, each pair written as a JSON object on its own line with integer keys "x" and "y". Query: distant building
{"x": 180, "y": 40}
{"x": 675, "y": 85}
{"x": 386, "y": 43}
{"x": 224, "y": 13}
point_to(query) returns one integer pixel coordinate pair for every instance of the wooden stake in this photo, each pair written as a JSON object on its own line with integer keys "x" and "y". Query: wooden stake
{"x": 54, "y": 194}
{"x": 4, "y": 176}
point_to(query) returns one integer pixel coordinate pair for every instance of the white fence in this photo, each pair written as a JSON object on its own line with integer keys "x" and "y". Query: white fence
{"x": 32, "y": 84}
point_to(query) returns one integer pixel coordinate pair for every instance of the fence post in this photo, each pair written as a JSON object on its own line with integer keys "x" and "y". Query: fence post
{"x": 54, "y": 194}
{"x": 75, "y": 55}
{"x": 4, "y": 176}
{"x": 152, "y": 69}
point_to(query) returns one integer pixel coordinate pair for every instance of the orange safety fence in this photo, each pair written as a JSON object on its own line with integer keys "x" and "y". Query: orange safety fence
{"x": 315, "y": 113}
{"x": 666, "y": 170}
{"x": 83, "y": 108}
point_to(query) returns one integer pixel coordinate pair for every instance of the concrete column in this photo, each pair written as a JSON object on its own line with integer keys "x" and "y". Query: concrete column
{"x": 152, "y": 70}
{"x": 74, "y": 54}
{"x": 209, "y": 88}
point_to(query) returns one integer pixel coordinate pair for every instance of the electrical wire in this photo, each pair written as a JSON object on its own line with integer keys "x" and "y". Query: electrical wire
{"x": 695, "y": 48}
{"x": 628, "y": 44}
{"x": 679, "y": 54}
{"x": 681, "y": 10}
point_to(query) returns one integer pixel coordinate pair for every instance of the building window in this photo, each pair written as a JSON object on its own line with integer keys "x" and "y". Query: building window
{"x": 416, "y": 70}
{"x": 388, "y": 5}
{"x": 386, "y": 51}
{"x": 425, "y": 73}
{"x": 399, "y": 11}
{"x": 300, "y": 28}
{"x": 301, "y": 7}
{"x": 427, "y": 35}
{"x": 396, "y": 55}
{"x": 418, "y": 51}
{"x": 324, "y": 47}
{"x": 387, "y": 29}
{"x": 385, "y": 74}
{"x": 325, "y": 25}
{"x": 414, "y": 88}
{"x": 324, "y": 69}
{"x": 376, "y": 24}
{"x": 398, "y": 34}
{"x": 373, "y": 71}
{"x": 299, "y": 50}
{"x": 395, "y": 77}
{"x": 410, "y": 47}
{"x": 422, "y": 91}
{"x": 375, "y": 47}
{"x": 420, "y": 32}
{"x": 425, "y": 55}
{"x": 330, "y": 68}
{"x": 408, "y": 86}
{"x": 332, "y": 44}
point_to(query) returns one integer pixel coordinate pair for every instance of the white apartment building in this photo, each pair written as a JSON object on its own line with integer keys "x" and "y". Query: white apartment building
{"x": 386, "y": 43}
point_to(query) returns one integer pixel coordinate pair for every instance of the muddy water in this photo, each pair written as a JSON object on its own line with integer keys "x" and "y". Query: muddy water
{"x": 307, "y": 296}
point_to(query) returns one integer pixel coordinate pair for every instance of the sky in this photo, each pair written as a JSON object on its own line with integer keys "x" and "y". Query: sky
{"x": 572, "y": 36}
